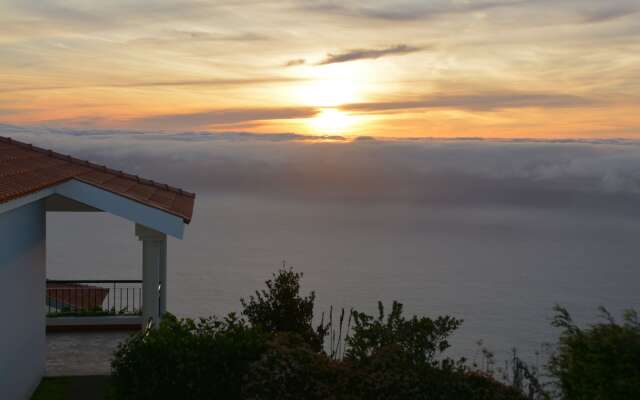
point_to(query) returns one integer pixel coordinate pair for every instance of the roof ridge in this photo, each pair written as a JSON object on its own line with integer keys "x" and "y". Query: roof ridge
{"x": 103, "y": 168}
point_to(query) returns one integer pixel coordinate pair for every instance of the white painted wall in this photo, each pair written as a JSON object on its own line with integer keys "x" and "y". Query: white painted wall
{"x": 22, "y": 298}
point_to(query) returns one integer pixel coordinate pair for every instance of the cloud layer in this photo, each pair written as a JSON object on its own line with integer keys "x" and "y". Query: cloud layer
{"x": 575, "y": 174}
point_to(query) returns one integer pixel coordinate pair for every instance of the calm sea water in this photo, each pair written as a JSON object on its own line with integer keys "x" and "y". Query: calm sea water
{"x": 500, "y": 269}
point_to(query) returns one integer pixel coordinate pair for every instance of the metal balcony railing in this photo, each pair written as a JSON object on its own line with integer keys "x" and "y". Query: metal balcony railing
{"x": 93, "y": 297}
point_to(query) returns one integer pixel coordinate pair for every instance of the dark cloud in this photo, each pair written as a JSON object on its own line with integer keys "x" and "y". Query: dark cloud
{"x": 358, "y": 54}
{"x": 477, "y": 102}
{"x": 364, "y": 54}
{"x": 221, "y": 117}
{"x": 294, "y": 62}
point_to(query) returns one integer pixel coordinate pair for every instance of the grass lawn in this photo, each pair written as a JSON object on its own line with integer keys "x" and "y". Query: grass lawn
{"x": 74, "y": 387}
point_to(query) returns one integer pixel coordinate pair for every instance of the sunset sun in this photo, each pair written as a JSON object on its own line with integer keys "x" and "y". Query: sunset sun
{"x": 332, "y": 86}
{"x": 331, "y": 121}
{"x": 328, "y": 93}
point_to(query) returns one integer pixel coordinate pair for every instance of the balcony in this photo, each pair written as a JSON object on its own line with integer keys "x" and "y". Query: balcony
{"x": 93, "y": 305}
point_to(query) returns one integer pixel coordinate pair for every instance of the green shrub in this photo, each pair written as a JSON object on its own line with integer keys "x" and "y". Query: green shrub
{"x": 290, "y": 370}
{"x": 278, "y": 355}
{"x": 385, "y": 374}
{"x": 390, "y": 374}
{"x": 280, "y": 308}
{"x": 600, "y": 362}
{"x": 183, "y": 359}
{"x": 394, "y": 358}
{"x": 470, "y": 385}
{"x": 420, "y": 340}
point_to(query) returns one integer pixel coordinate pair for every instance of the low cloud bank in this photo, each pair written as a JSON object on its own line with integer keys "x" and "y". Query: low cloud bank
{"x": 583, "y": 174}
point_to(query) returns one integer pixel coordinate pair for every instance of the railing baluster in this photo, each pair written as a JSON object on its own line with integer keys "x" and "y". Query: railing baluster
{"x": 91, "y": 296}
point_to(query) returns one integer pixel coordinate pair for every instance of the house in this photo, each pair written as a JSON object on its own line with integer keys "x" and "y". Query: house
{"x": 35, "y": 180}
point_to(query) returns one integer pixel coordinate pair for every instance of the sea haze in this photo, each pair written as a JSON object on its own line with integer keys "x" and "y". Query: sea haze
{"x": 494, "y": 232}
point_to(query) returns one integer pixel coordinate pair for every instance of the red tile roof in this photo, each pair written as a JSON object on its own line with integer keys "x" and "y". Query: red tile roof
{"x": 25, "y": 169}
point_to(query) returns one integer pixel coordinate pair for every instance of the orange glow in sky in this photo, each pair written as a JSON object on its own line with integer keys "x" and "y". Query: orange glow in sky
{"x": 440, "y": 68}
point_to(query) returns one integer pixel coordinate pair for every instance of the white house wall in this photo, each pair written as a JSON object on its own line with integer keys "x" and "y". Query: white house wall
{"x": 22, "y": 298}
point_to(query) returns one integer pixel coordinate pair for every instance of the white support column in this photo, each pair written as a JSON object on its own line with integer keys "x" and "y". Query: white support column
{"x": 163, "y": 277}
{"x": 154, "y": 274}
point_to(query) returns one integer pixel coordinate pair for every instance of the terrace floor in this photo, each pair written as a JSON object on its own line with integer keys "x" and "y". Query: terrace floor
{"x": 81, "y": 353}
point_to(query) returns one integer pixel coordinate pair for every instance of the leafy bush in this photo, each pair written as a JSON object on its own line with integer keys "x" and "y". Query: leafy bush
{"x": 392, "y": 357}
{"x": 280, "y": 308}
{"x": 420, "y": 340}
{"x": 390, "y": 374}
{"x": 183, "y": 359}
{"x": 277, "y": 354}
{"x": 599, "y": 362}
{"x": 389, "y": 357}
{"x": 291, "y": 369}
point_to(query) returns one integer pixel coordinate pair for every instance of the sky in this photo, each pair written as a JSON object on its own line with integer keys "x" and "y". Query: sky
{"x": 404, "y": 69}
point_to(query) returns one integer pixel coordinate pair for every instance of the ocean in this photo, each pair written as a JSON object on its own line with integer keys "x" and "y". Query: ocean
{"x": 499, "y": 268}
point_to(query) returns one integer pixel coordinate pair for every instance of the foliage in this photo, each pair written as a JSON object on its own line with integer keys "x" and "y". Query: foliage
{"x": 291, "y": 369}
{"x": 184, "y": 359}
{"x": 277, "y": 354}
{"x": 420, "y": 340}
{"x": 91, "y": 312}
{"x": 280, "y": 308}
{"x": 599, "y": 362}
{"x": 392, "y": 357}
{"x": 386, "y": 374}
{"x": 390, "y": 374}
{"x": 516, "y": 373}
